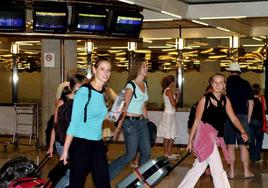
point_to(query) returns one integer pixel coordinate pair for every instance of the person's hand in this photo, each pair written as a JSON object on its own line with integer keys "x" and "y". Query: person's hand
{"x": 189, "y": 147}
{"x": 64, "y": 157}
{"x": 50, "y": 151}
{"x": 244, "y": 136}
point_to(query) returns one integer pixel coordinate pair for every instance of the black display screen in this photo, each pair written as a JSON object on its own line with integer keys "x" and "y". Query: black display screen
{"x": 126, "y": 25}
{"x": 12, "y": 20}
{"x": 55, "y": 22}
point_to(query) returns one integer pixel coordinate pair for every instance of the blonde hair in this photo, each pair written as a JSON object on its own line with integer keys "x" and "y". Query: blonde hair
{"x": 134, "y": 70}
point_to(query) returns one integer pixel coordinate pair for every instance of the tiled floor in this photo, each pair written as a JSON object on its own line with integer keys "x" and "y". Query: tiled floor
{"x": 172, "y": 181}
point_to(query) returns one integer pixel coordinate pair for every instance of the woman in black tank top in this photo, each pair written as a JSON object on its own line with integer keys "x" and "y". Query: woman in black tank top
{"x": 256, "y": 125}
{"x": 211, "y": 112}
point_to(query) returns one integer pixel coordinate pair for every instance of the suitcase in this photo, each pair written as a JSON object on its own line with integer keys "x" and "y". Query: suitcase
{"x": 31, "y": 182}
{"x": 32, "y": 179}
{"x": 149, "y": 174}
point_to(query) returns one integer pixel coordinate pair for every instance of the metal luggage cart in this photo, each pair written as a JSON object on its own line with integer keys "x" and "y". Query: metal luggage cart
{"x": 26, "y": 122}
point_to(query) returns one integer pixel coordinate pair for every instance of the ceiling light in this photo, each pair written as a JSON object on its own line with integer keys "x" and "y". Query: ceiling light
{"x": 252, "y": 45}
{"x": 219, "y": 37}
{"x": 255, "y": 38}
{"x": 126, "y": 1}
{"x": 159, "y": 47}
{"x": 221, "y": 17}
{"x": 158, "y": 20}
{"x": 223, "y": 29}
{"x": 171, "y": 14}
{"x": 165, "y": 38}
{"x": 119, "y": 47}
{"x": 201, "y": 23}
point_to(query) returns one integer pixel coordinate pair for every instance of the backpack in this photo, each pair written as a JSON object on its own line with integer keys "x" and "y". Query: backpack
{"x": 65, "y": 114}
{"x": 191, "y": 116}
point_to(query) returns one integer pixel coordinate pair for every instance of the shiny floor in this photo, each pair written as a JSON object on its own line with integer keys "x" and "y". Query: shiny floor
{"x": 260, "y": 169}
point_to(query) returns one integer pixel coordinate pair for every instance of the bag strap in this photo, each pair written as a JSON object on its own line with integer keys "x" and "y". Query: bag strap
{"x": 88, "y": 99}
{"x": 134, "y": 88}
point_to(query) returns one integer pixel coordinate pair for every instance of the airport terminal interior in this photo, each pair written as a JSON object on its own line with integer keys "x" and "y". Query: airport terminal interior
{"x": 41, "y": 40}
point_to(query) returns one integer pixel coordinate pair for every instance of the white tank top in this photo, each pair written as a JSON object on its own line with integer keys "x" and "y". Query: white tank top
{"x": 168, "y": 107}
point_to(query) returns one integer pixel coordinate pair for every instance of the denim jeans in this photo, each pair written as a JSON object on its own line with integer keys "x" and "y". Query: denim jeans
{"x": 136, "y": 136}
{"x": 256, "y": 137}
{"x": 64, "y": 181}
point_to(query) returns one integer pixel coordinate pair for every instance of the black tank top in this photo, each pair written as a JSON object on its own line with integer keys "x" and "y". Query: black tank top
{"x": 215, "y": 115}
{"x": 257, "y": 110}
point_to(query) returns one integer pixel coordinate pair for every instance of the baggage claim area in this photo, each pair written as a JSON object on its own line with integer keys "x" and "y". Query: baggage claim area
{"x": 42, "y": 40}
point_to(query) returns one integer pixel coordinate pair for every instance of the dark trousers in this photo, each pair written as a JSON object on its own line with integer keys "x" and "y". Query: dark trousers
{"x": 88, "y": 156}
{"x": 256, "y": 138}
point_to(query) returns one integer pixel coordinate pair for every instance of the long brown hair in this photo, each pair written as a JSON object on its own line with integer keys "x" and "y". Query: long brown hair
{"x": 134, "y": 69}
{"x": 106, "y": 88}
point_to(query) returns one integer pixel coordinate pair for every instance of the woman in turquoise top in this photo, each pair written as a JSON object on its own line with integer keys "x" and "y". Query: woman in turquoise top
{"x": 134, "y": 120}
{"x": 84, "y": 139}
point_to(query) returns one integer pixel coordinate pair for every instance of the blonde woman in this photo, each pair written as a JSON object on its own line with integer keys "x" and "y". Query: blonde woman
{"x": 207, "y": 132}
{"x": 134, "y": 120}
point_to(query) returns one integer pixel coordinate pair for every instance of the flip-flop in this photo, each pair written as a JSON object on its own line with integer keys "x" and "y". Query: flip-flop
{"x": 249, "y": 177}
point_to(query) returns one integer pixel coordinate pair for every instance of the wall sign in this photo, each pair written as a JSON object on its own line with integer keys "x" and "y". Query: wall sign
{"x": 49, "y": 59}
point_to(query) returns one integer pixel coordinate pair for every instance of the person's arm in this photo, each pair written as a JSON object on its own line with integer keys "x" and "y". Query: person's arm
{"x": 170, "y": 95}
{"x": 234, "y": 119}
{"x": 144, "y": 111}
{"x": 250, "y": 109}
{"x": 128, "y": 96}
{"x": 198, "y": 116}
{"x": 53, "y": 133}
{"x": 264, "y": 103}
{"x": 67, "y": 143}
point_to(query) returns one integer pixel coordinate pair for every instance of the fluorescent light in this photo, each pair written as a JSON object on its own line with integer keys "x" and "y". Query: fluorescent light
{"x": 201, "y": 23}
{"x": 192, "y": 46}
{"x": 126, "y": 1}
{"x": 219, "y": 37}
{"x": 171, "y": 14}
{"x": 158, "y": 20}
{"x": 159, "y": 47}
{"x": 255, "y": 38}
{"x": 163, "y": 38}
{"x": 252, "y": 45}
{"x": 119, "y": 47}
{"x": 223, "y": 29}
{"x": 221, "y": 17}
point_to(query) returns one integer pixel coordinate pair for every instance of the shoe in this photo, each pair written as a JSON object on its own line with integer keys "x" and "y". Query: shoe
{"x": 249, "y": 177}
{"x": 133, "y": 165}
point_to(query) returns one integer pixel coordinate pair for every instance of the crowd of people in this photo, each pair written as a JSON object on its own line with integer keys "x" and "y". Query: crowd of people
{"x": 230, "y": 112}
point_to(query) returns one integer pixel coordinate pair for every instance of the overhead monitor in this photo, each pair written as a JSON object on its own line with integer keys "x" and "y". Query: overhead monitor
{"x": 126, "y": 24}
{"x": 51, "y": 21}
{"x": 12, "y": 19}
{"x": 92, "y": 21}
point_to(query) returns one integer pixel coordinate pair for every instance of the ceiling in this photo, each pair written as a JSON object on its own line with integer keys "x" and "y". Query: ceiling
{"x": 158, "y": 45}
{"x": 215, "y": 1}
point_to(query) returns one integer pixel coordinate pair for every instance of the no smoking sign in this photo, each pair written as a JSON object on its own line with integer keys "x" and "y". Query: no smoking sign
{"x": 49, "y": 59}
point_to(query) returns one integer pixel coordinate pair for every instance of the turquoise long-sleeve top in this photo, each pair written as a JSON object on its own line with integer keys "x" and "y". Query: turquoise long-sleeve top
{"x": 96, "y": 112}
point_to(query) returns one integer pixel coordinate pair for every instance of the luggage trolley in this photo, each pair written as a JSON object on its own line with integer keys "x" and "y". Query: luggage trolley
{"x": 26, "y": 122}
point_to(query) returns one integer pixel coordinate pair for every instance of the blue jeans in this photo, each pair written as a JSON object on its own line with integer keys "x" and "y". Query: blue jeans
{"x": 136, "y": 136}
{"x": 64, "y": 181}
{"x": 256, "y": 137}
